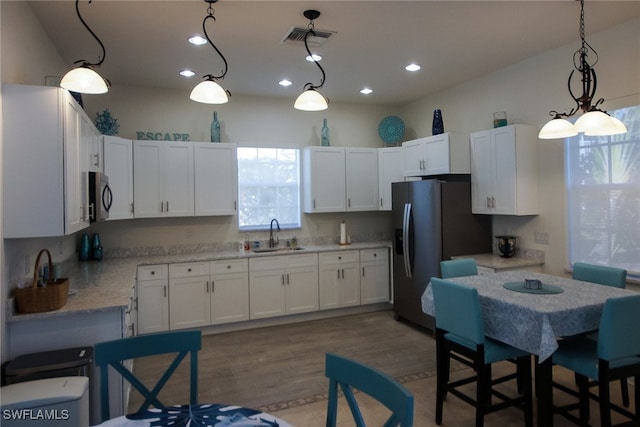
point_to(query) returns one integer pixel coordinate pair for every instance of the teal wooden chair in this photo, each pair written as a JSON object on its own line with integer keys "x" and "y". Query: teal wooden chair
{"x": 608, "y": 276}
{"x": 615, "y": 355}
{"x": 603, "y": 275}
{"x": 460, "y": 336}
{"x": 458, "y": 268}
{"x": 350, "y": 374}
{"x": 114, "y": 353}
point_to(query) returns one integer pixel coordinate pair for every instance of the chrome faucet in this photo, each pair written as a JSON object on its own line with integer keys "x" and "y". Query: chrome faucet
{"x": 273, "y": 243}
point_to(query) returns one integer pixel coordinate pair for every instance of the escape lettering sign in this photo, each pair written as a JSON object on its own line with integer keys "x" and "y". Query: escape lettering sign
{"x": 162, "y": 136}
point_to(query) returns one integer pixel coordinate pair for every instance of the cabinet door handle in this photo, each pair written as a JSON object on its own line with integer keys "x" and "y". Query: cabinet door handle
{"x": 493, "y": 202}
{"x": 488, "y": 202}
{"x": 165, "y": 290}
{"x": 314, "y": 203}
{"x": 131, "y": 208}
{"x": 338, "y": 271}
{"x": 97, "y": 162}
{"x": 162, "y": 206}
{"x": 206, "y": 286}
{"x": 380, "y": 201}
{"x": 348, "y": 203}
{"x": 343, "y": 273}
{"x": 287, "y": 278}
{"x": 167, "y": 206}
{"x": 283, "y": 280}
{"x": 362, "y": 271}
{"x": 213, "y": 286}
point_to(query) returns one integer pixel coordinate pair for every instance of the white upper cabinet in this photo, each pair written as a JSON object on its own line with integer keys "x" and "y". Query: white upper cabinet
{"x": 44, "y": 162}
{"x": 361, "y": 169}
{"x": 447, "y": 153}
{"x": 163, "y": 179}
{"x": 216, "y": 178}
{"x": 118, "y": 167}
{"x": 337, "y": 179}
{"x": 504, "y": 171}
{"x": 390, "y": 170}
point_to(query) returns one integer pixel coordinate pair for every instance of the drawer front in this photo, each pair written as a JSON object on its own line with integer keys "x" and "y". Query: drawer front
{"x": 229, "y": 266}
{"x": 339, "y": 257}
{"x": 188, "y": 269}
{"x": 267, "y": 263}
{"x": 152, "y": 272}
{"x": 303, "y": 260}
{"x": 374, "y": 254}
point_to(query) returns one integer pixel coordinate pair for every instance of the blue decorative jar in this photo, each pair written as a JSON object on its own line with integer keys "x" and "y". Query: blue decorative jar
{"x": 85, "y": 248}
{"x": 324, "y": 134}
{"x": 438, "y": 125}
{"x": 96, "y": 248}
{"x": 215, "y": 128}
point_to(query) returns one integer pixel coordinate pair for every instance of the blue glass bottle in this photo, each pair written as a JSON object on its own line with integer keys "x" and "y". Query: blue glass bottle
{"x": 215, "y": 128}
{"x": 324, "y": 134}
{"x": 96, "y": 248}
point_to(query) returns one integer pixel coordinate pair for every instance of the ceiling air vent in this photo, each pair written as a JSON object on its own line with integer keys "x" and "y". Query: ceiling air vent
{"x": 296, "y": 35}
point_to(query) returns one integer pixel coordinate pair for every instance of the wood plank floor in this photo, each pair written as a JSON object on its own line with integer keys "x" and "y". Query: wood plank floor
{"x": 280, "y": 369}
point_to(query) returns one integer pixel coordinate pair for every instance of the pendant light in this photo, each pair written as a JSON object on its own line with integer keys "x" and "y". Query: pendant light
{"x": 311, "y": 99}
{"x": 594, "y": 122}
{"x": 83, "y": 79}
{"x": 209, "y": 91}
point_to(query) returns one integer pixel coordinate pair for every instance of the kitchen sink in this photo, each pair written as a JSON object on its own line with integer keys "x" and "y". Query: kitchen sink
{"x": 284, "y": 249}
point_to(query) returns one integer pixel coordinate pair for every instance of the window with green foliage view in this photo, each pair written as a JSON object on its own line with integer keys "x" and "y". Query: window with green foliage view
{"x": 603, "y": 187}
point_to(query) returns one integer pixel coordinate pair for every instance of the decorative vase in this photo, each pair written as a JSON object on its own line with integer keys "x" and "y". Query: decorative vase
{"x": 324, "y": 134}
{"x": 215, "y": 128}
{"x": 83, "y": 253}
{"x": 96, "y": 248}
{"x": 438, "y": 125}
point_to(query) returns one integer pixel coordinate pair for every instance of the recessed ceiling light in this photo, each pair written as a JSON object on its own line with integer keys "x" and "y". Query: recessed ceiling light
{"x": 197, "y": 40}
{"x": 412, "y": 67}
{"x": 285, "y": 82}
{"x": 366, "y": 91}
{"x": 313, "y": 57}
{"x": 187, "y": 73}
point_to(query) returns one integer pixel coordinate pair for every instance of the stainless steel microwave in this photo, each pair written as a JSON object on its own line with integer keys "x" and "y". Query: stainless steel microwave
{"x": 100, "y": 196}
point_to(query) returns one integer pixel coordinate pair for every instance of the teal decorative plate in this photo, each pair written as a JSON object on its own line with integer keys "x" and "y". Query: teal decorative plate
{"x": 391, "y": 130}
{"x": 545, "y": 289}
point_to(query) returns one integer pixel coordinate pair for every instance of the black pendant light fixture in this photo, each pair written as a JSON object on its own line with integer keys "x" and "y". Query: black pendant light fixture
{"x": 594, "y": 122}
{"x": 209, "y": 91}
{"x": 311, "y": 99}
{"x": 83, "y": 78}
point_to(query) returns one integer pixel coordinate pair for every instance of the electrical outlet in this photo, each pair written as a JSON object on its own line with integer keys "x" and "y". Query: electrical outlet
{"x": 541, "y": 237}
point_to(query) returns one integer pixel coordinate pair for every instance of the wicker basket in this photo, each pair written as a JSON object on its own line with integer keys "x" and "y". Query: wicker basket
{"x": 48, "y": 298}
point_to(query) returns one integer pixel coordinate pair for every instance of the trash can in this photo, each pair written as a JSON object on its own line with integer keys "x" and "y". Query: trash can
{"x": 50, "y": 364}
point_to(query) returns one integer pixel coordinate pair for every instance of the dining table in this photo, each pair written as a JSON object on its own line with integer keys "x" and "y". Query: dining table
{"x": 534, "y": 315}
{"x": 211, "y": 414}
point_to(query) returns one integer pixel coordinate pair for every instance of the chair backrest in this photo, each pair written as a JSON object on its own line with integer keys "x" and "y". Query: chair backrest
{"x": 619, "y": 335}
{"x": 457, "y": 309}
{"x": 458, "y": 268}
{"x": 113, "y": 353}
{"x": 600, "y": 274}
{"x": 349, "y": 373}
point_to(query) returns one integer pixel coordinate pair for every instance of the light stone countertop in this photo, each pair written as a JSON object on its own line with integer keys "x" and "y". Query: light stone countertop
{"x": 498, "y": 263}
{"x": 109, "y": 284}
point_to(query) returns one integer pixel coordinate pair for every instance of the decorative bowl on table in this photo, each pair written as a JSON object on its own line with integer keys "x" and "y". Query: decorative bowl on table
{"x": 506, "y": 246}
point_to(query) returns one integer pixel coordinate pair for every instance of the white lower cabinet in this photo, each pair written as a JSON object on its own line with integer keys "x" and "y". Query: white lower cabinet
{"x": 285, "y": 284}
{"x": 208, "y": 293}
{"x": 374, "y": 275}
{"x": 339, "y": 279}
{"x": 229, "y": 291}
{"x": 152, "y": 289}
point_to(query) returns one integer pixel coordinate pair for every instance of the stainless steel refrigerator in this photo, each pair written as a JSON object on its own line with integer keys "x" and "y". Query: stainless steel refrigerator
{"x": 432, "y": 221}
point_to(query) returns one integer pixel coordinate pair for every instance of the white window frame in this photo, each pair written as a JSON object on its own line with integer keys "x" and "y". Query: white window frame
{"x": 602, "y": 230}
{"x": 289, "y": 217}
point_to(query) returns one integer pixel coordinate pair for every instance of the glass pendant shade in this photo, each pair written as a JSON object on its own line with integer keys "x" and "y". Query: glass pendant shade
{"x": 311, "y": 100}
{"x": 597, "y": 123}
{"x": 84, "y": 80}
{"x": 557, "y": 128}
{"x": 209, "y": 92}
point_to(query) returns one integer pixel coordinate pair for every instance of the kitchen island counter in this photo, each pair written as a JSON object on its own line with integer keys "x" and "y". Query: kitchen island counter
{"x": 109, "y": 284}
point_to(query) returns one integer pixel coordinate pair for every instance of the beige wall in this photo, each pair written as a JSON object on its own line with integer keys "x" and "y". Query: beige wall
{"x": 527, "y": 91}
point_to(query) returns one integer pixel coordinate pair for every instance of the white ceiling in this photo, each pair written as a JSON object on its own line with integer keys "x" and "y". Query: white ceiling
{"x": 454, "y": 41}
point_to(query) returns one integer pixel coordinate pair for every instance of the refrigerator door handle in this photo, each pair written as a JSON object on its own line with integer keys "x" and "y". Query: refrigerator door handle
{"x": 405, "y": 239}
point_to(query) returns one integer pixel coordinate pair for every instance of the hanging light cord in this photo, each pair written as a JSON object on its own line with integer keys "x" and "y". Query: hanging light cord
{"x": 210, "y": 13}
{"x": 311, "y": 85}
{"x": 104, "y": 53}
{"x": 589, "y": 79}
